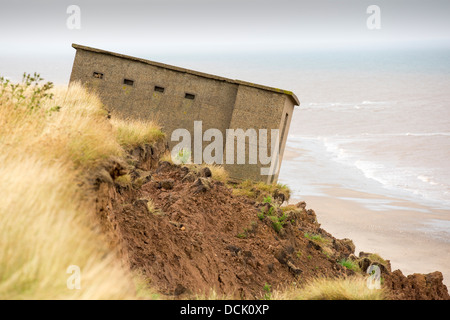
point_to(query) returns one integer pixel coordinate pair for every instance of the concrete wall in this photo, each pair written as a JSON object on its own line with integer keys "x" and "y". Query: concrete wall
{"x": 218, "y": 103}
{"x": 259, "y": 109}
{"x": 213, "y": 103}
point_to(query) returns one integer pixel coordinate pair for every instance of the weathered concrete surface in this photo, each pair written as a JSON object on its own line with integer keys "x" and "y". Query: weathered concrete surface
{"x": 220, "y": 103}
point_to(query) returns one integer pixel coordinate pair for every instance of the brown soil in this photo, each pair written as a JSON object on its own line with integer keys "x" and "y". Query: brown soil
{"x": 196, "y": 236}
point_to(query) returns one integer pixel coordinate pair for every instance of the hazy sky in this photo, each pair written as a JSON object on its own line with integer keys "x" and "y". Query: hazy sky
{"x": 133, "y": 26}
{"x": 206, "y": 35}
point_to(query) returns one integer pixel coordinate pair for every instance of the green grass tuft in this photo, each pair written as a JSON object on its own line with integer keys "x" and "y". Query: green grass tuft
{"x": 349, "y": 264}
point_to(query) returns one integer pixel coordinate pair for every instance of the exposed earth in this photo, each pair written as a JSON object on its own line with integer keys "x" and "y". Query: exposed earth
{"x": 189, "y": 234}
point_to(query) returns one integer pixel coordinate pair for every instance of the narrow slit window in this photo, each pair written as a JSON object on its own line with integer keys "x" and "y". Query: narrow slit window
{"x": 128, "y": 82}
{"x": 159, "y": 89}
{"x": 98, "y": 75}
{"x": 189, "y": 96}
{"x": 283, "y": 131}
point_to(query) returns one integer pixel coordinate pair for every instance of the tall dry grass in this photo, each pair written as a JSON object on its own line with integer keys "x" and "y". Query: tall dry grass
{"x": 131, "y": 133}
{"x": 349, "y": 288}
{"x": 45, "y": 226}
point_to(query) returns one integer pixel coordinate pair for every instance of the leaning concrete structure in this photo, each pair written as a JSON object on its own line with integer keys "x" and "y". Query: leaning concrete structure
{"x": 176, "y": 97}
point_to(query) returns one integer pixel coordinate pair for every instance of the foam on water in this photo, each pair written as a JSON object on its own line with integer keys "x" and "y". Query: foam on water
{"x": 392, "y": 176}
{"x": 410, "y": 165}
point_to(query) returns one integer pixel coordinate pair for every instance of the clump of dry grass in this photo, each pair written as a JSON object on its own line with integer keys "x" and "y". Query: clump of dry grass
{"x": 124, "y": 181}
{"x": 132, "y": 133}
{"x": 375, "y": 257}
{"x": 218, "y": 172}
{"x": 166, "y": 157}
{"x": 351, "y": 288}
{"x": 261, "y": 190}
{"x": 144, "y": 290}
{"x": 210, "y": 295}
{"x": 46, "y": 225}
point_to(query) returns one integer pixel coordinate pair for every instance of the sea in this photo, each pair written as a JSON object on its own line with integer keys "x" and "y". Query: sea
{"x": 376, "y": 122}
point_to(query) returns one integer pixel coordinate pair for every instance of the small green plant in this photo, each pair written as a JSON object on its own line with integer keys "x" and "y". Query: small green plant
{"x": 251, "y": 230}
{"x": 267, "y": 199}
{"x": 270, "y": 212}
{"x": 276, "y": 223}
{"x": 309, "y": 257}
{"x": 283, "y": 218}
{"x": 242, "y": 235}
{"x": 267, "y": 291}
{"x": 29, "y": 94}
{"x": 349, "y": 264}
{"x": 261, "y": 215}
{"x": 314, "y": 237}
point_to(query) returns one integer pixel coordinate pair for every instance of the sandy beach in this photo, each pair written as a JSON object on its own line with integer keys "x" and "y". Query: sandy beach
{"x": 406, "y": 233}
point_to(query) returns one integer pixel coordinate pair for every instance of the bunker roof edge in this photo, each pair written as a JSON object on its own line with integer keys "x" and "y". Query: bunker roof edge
{"x": 197, "y": 73}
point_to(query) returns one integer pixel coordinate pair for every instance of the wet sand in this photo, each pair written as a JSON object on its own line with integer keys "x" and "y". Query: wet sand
{"x": 403, "y": 232}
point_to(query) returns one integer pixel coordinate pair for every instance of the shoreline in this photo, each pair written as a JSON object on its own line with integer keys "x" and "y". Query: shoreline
{"x": 397, "y": 235}
{"x": 402, "y": 231}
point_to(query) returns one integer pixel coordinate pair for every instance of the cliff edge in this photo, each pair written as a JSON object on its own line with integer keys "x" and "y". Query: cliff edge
{"x": 191, "y": 235}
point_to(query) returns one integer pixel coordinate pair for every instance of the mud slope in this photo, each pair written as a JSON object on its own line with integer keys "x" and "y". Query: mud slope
{"x": 188, "y": 234}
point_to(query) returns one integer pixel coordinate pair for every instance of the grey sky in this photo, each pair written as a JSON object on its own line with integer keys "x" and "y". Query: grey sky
{"x": 39, "y": 26}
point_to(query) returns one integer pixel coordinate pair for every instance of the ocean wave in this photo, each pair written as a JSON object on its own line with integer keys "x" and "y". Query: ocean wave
{"x": 409, "y": 179}
{"x": 356, "y": 137}
{"x": 403, "y": 134}
{"x": 371, "y": 170}
{"x": 348, "y": 106}
{"x": 378, "y": 102}
{"x": 345, "y": 160}
{"x": 425, "y": 134}
{"x": 403, "y": 179}
{"x": 339, "y": 153}
{"x": 426, "y": 179}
